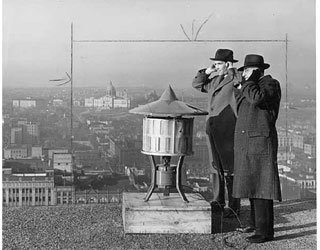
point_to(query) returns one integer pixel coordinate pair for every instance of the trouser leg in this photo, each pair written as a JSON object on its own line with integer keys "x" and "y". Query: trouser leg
{"x": 218, "y": 175}
{"x": 221, "y": 193}
{"x": 264, "y": 218}
{"x": 252, "y": 222}
{"x": 234, "y": 203}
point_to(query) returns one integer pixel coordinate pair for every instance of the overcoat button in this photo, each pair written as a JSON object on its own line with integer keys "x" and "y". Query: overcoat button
{"x": 243, "y": 131}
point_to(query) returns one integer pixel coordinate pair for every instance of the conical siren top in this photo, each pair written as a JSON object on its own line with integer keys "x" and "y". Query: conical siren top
{"x": 168, "y": 95}
{"x": 168, "y": 106}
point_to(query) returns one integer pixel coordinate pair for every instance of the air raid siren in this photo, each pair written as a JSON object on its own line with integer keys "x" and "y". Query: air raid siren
{"x": 166, "y": 133}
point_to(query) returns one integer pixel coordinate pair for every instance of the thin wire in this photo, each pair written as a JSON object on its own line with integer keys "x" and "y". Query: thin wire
{"x": 176, "y": 41}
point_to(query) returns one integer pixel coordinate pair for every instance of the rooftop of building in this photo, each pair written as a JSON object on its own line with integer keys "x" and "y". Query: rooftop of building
{"x": 100, "y": 227}
{"x": 301, "y": 175}
{"x": 27, "y": 177}
{"x": 26, "y": 164}
{"x": 16, "y": 146}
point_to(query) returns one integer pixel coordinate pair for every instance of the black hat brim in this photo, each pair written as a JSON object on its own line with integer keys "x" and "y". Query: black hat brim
{"x": 219, "y": 59}
{"x": 264, "y": 66}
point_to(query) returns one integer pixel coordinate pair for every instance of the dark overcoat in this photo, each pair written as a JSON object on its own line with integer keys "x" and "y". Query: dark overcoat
{"x": 222, "y": 114}
{"x": 256, "y": 142}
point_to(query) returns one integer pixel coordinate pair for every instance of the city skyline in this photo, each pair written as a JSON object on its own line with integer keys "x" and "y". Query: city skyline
{"x": 36, "y": 46}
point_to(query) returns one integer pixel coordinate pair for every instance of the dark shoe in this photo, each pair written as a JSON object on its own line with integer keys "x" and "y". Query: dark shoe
{"x": 229, "y": 213}
{"x": 259, "y": 238}
{"x": 248, "y": 229}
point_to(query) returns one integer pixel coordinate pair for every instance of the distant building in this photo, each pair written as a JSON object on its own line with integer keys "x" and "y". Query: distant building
{"x": 88, "y": 102}
{"x": 285, "y": 154}
{"x": 98, "y": 196}
{"x": 28, "y": 190}
{"x": 128, "y": 152}
{"x": 298, "y": 141}
{"x": 284, "y": 169}
{"x": 310, "y": 149}
{"x": 195, "y": 167}
{"x": 15, "y": 152}
{"x": 200, "y": 150}
{"x": 285, "y": 139}
{"x": 57, "y": 102}
{"x": 22, "y": 121}
{"x": 28, "y": 166}
{"x": 200, "y": 187}
{"x": 36, "y": 152}
{"x": 134, "y": 170}
{"x": 77, "y": 103}
{"x": 25, "y": 133}
{"x": 16, "y": 135}
{"x": 32, "y": 133}
{"x": 65, "y": 195}
{"x": 34, "y": 189}
{"x": 305, "y": 180}
{"x": 62, "y": 161}
{"x": 121, "y": 103}
{"x": 87, "y": 158}
{"x": 111, "y": 100}
{"x": 24, "y": 103}
{"x": 49, "y": 152}
{"x": 27, "y": 103}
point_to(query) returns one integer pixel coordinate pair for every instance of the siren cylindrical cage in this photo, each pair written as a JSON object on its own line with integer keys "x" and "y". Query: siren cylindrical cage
{"x": 167, "y": 136}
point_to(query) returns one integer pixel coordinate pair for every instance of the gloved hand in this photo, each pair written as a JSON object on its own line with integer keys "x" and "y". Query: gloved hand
{"x": 255, "y": 75}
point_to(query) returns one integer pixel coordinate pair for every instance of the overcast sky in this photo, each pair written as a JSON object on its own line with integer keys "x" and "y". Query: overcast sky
{"x": 37, "y": 39}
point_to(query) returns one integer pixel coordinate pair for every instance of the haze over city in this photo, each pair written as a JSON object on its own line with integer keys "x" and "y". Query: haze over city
{"x": 37, "y": 40}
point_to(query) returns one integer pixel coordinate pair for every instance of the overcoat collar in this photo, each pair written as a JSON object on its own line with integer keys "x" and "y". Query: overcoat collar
{"x": 228, "y": 78}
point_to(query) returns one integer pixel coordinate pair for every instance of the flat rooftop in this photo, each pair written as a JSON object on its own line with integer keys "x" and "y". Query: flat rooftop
{"x": 99, "y": 226}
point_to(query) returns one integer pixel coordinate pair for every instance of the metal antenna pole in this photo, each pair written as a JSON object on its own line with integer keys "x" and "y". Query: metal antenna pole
{"x": 71, "y": 118}
{"x": 286, "y": 84}
{"x": 287, "y": 104}
{"x": 71, "y": 94}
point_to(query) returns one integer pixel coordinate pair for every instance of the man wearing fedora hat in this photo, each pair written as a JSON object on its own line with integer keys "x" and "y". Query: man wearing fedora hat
{"x": 256, "y": 143}
{"x": 220, "y": 125}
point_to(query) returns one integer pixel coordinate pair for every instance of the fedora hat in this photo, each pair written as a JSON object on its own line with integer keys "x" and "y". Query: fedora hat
{"x": 253, "y": 60}
{"x": 225, "y": 55}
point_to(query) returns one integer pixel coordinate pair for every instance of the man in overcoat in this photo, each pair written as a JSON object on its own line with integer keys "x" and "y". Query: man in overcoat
{"x": 256, "y": 143}
{"x": 220, "y": 124}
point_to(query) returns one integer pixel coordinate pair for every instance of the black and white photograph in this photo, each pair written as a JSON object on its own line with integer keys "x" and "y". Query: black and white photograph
{"x": 159, "y": 125}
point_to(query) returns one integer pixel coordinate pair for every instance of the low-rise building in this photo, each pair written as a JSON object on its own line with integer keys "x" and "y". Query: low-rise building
{"x": 310, "y": 149}
{"x": 15, "y": 152}
{"x": 57, "y": 102}
{"x": 49, "y": 152}
{"x": 65, "y": 195}
{"x": 305, "y": 180}
{"x": 28, "y": 103}
{"x": 28, "y": 190}
{"x": 28, "y": 165}
{"x": 62, "y": 161}
{"x": 285, "y": 154}
{"x": 36, "y": 152}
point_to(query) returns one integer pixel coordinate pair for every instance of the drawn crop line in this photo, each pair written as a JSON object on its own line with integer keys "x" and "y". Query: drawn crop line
{"x": 178, "y": 41}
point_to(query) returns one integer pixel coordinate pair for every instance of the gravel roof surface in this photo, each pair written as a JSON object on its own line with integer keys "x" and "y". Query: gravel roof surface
{"x": 100, "y": 227}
